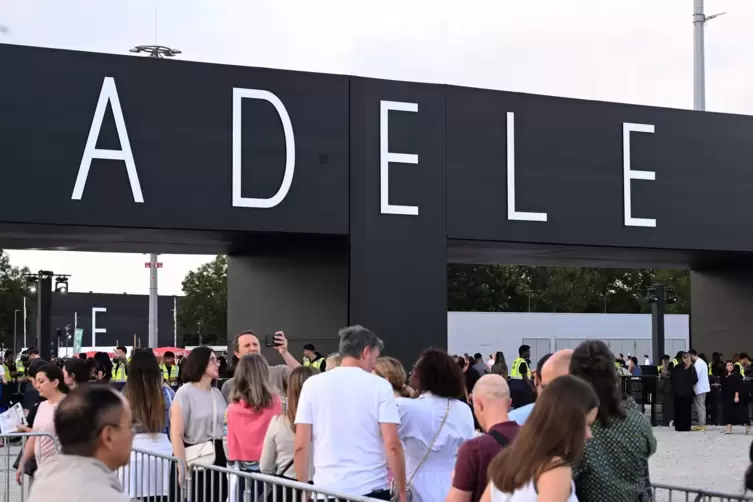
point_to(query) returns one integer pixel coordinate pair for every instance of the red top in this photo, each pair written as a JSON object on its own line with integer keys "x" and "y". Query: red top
{"x": 474, "y": 457}
{"x": 246, "y": 429}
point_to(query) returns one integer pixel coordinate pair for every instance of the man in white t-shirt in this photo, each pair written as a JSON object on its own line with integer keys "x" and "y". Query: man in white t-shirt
{"x": 701, "y": 389}
{"x": 352, "y": 417}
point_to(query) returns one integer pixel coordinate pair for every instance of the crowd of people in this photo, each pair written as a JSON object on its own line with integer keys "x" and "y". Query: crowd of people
{"x": 356, "y": 422}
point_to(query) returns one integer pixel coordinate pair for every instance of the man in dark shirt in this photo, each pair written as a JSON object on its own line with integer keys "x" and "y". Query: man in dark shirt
{"x": 491, "y": 402}
{"x": 479, "y": 365}
{"x": 471, "y": 375}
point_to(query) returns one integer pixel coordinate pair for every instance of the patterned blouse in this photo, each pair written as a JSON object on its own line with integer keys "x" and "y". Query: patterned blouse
{"x": 615, "y": 463}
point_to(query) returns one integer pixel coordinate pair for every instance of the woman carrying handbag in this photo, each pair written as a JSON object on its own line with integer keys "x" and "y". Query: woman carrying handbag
{"x": 196, "y": 428}
{"x": 433, "y": 425}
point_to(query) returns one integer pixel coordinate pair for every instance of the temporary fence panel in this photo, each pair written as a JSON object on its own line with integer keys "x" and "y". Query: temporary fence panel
{"x": 205, "y": 484}
{"x": 151, "y": 474}
{"x": 12, "y": 448}
{"x": 156, "y": 475}
{"x": 666, "y": 493}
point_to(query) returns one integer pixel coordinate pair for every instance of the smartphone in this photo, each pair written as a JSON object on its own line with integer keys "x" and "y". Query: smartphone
{"x": 269, "y": 341}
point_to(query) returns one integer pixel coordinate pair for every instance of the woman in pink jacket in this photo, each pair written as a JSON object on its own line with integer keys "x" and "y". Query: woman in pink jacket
{"x": 253, "y": 404}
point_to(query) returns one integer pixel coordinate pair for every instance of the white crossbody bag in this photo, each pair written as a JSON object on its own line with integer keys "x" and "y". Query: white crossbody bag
{"x": 204, "y": 453}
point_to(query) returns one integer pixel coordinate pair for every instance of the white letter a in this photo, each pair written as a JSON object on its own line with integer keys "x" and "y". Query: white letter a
{"x": 109, "y": 93}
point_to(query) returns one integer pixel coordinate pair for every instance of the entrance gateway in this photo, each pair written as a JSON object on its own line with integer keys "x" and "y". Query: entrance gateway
{"x": 340, "y": 200}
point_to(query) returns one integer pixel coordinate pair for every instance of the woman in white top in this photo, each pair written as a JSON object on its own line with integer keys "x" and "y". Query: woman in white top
{"x": 277, "y": 451}
{"x": 537, "y": 467}
{"x": 434, "y": 425}
{"x": 197, "y": 417}
{"x": 150, "y": 399}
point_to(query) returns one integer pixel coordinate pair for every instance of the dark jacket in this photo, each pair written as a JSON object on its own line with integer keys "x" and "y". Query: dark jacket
{"x": 683, "y": 379}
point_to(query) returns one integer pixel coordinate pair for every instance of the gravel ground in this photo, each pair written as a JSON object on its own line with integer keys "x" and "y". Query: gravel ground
{"x": 702, "y": 460}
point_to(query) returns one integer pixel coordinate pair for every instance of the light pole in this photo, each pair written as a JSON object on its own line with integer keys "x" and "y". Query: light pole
{"x": 15, "y": 329}
{"x": 159, "y": 52}
{"x": 699, "y": 58}
{"x": 659, "y": 296}
{"x": 42, "y": 281}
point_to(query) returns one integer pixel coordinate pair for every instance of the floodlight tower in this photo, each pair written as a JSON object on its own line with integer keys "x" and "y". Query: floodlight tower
{"x": 699, "y": 58}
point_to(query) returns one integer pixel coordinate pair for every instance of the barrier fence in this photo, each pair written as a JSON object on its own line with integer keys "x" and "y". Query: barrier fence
{"x": 666, "y": 493}
{"x": 654, "y": 395}
{"x": 12, "y": 449}
{"x": 154, "y": 477}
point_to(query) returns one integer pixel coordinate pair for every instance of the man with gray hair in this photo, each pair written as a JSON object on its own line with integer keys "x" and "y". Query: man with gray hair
{"x": 93, "y": 424}
{"x": 352, "y": 417}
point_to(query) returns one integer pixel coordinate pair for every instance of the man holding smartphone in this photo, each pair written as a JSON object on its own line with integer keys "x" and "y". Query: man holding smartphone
{"x": 248, "y": 343}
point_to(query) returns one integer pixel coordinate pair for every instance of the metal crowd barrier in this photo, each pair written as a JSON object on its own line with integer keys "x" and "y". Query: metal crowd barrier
{"x": 13, "y": 446}
{"x": 666, "y": 493}
{"x": 151, "y": 477}
{"x": 654, "y": 395}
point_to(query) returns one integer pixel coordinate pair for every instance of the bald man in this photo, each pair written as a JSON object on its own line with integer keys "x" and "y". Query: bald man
{"x": 491, "y": 402}
{"x": 550, "y": 367}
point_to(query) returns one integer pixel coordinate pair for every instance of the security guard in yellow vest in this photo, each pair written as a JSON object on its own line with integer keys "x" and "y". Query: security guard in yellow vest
{"x": 740, "y": 368}
{"x": 677, "y": 360}
{"x": 313, "y": 358}
{"x": 664, "y": 361}
{"x": 744, "y": 362}
{"x": 120, "y": 365}
{"x": 519, "y": 369}
{"x": 169, "y": 369}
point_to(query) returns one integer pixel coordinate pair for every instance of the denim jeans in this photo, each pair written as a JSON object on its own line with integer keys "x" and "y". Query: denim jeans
{"x": 237, "y": 494}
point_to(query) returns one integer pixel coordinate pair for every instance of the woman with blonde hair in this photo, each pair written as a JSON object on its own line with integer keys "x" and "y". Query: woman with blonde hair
{"x": 333, "y": 361}
{"x": 277, "y": 451}
{"x": 253, "y": 405}
{"x": 392, "y": 370}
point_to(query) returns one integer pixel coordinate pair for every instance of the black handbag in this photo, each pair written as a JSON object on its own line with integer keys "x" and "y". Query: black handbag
{"x": 31, "y": 465}
{"x": 279, "y": 492}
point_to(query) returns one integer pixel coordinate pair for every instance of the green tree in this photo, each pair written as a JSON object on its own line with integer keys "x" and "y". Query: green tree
{"x": 204, "y": 308}
{"x": 513, "y": 288}
{"x": 678, "y": 281}
{"x": 484, "y": 288}
{"x": 13, "y": 288}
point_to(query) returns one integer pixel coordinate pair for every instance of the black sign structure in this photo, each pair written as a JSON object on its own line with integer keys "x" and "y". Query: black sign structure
{"x": 107, "y": 320}
{"x": 341, "y": 199}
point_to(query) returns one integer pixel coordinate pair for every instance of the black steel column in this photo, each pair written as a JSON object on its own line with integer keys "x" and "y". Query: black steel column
{"x": 44, "y": 315}
{"x": 657, "y": 297}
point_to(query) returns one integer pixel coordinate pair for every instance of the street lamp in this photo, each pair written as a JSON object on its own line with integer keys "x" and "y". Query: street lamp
{"x": 699, "y": 48}
{"x": 61, "y": 284}
{"x": 658, "y": 297}
{"x": 42, "y": 281}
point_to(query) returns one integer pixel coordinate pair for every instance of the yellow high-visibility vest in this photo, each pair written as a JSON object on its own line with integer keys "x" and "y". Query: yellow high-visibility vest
{"x": 170, "y": 375}
{"x": 742, "y": 370}
{"x": 515, "y": 372}
{"x": 119, "y": 373}
{"x": 316, "y": 364}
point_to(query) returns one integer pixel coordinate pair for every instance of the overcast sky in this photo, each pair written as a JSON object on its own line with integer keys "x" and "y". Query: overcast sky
{"x": 632, "y": 51}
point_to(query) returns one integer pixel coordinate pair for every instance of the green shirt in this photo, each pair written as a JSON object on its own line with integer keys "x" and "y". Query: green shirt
{"x": 615, "y": 462}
